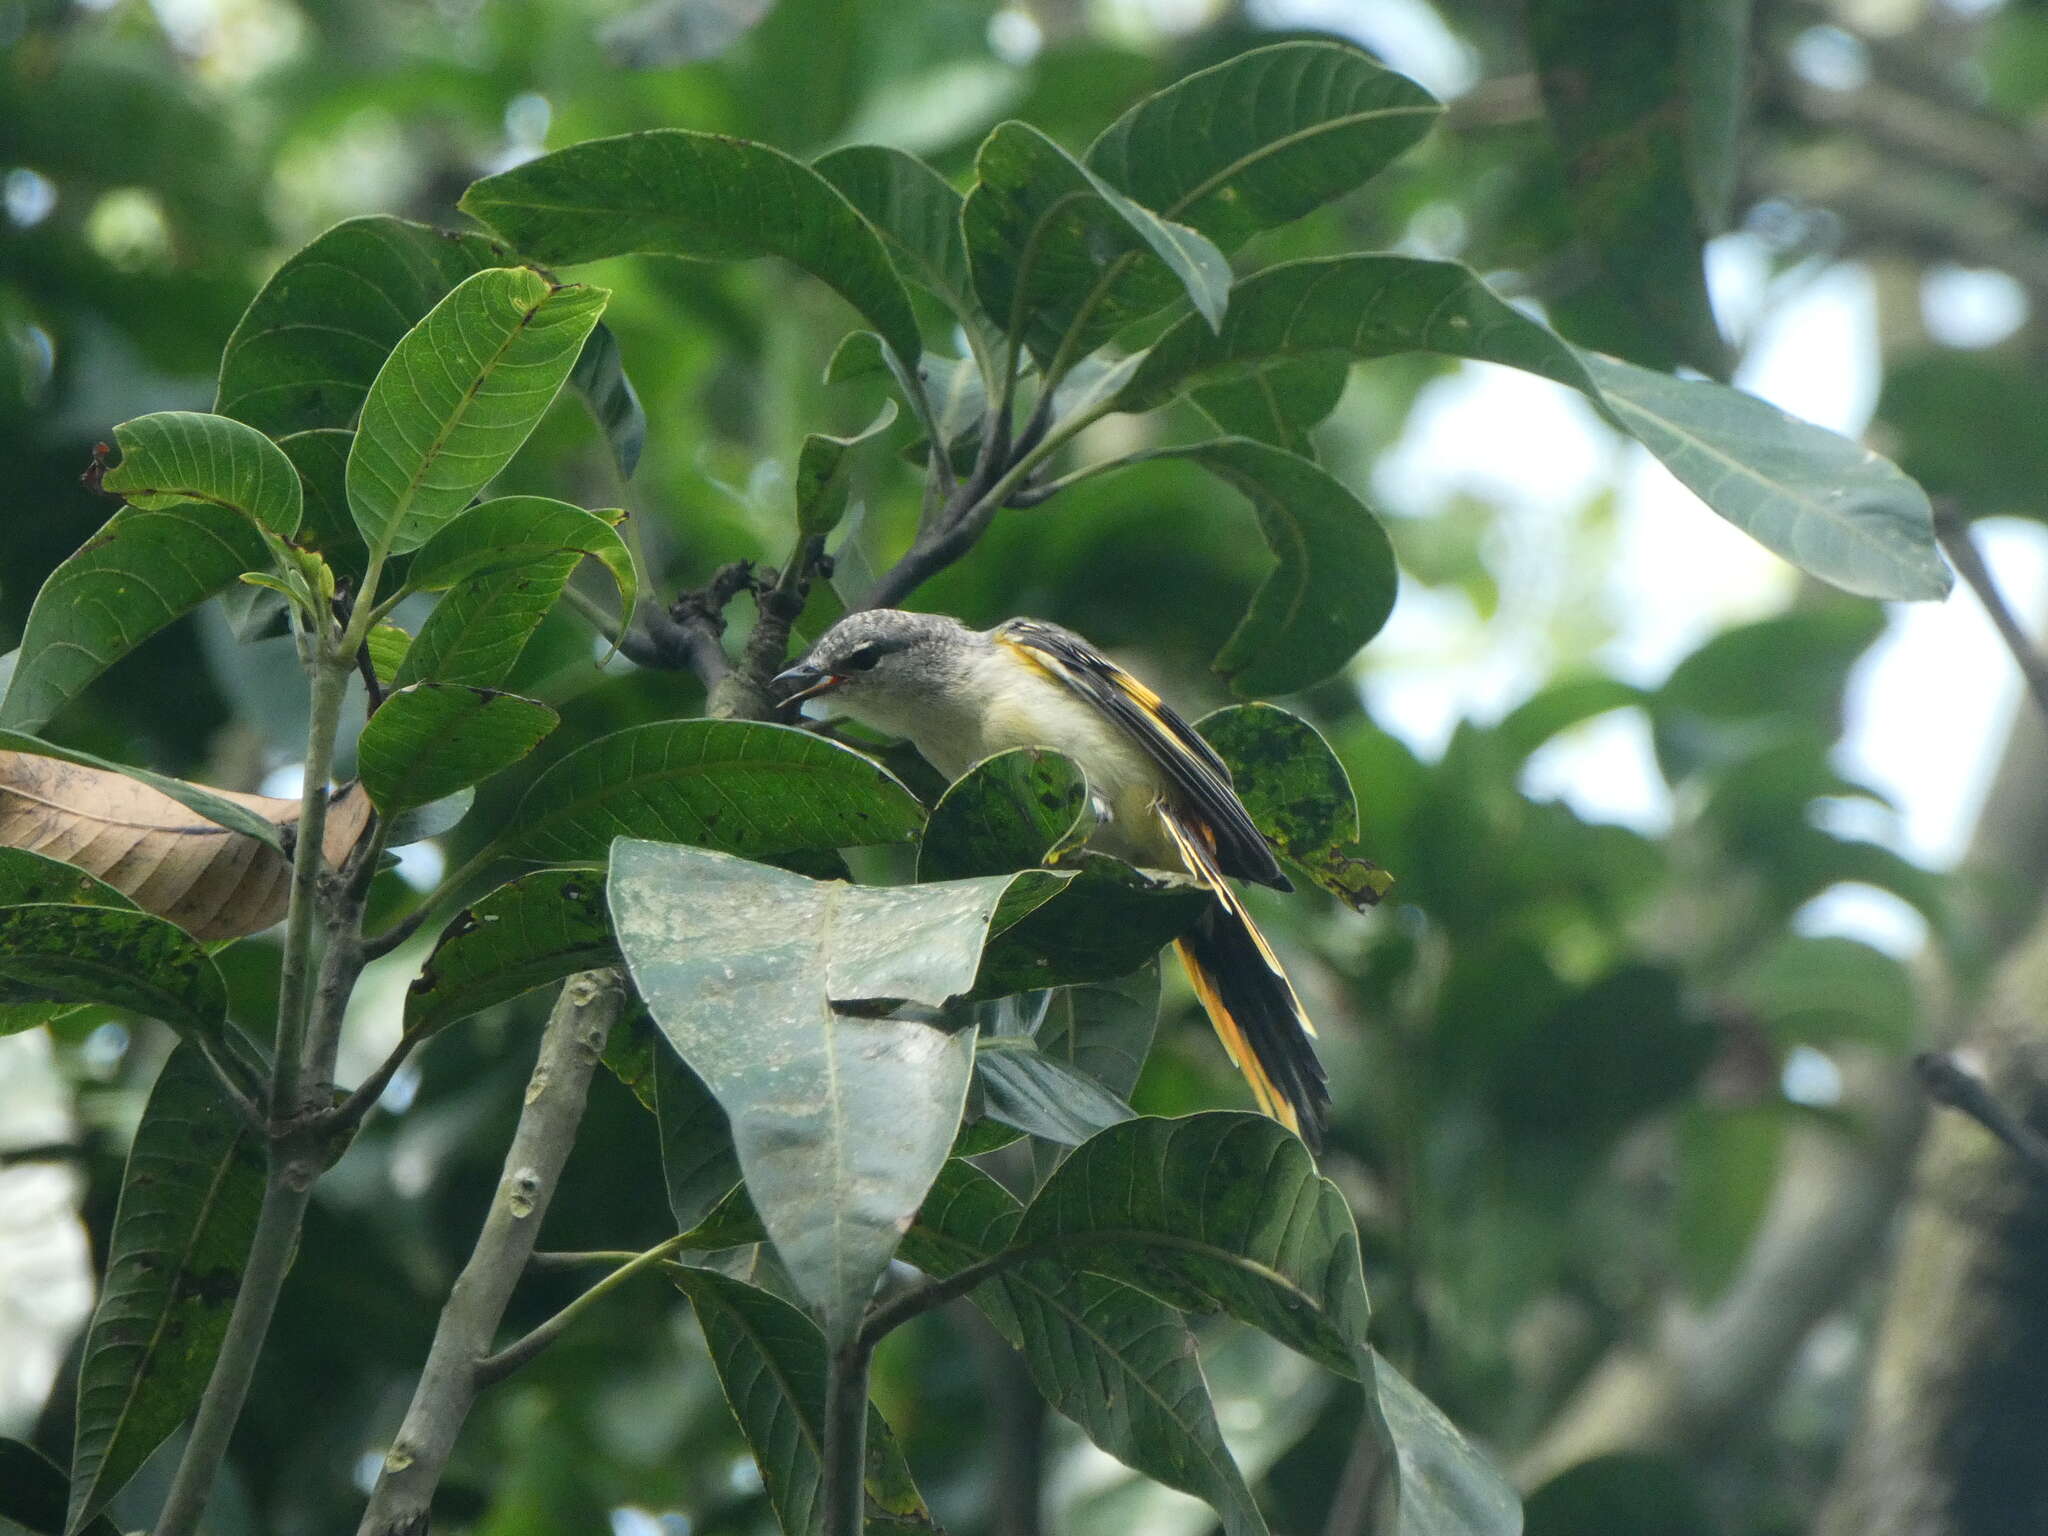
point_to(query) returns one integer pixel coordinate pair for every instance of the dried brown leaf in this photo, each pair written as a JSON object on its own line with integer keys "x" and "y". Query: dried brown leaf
{"x": 213, "y": 883}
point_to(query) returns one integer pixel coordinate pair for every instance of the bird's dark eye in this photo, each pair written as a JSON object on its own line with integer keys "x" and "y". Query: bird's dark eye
{"x": 861, "y": 659}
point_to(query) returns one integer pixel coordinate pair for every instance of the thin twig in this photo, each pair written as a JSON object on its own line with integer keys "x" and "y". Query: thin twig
{"x": 998, "y": 474}
{"x": 1949, "y": 1082}
{"x": 343, "y": 1119}
{"x": 580, "y": 1259}
{"x": 918, "y": 1300}
{"x": 396, "y": 934}
{"x": 778, "y": 604}
{"x": 687, "y": 636}
{"x": 367, "y": 669}
{"x": 493, "y": 1369}
{"x": 1953, "y": 529}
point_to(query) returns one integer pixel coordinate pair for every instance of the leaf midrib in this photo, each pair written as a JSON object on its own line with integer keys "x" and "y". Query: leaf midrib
{"x": 438, "y": 444}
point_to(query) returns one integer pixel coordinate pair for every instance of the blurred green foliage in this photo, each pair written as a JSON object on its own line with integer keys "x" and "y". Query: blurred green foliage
{"x": 1557, "y": 1051}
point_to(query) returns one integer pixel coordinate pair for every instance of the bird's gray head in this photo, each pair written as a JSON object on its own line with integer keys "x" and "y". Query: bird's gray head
{"x": 883, "y": 665}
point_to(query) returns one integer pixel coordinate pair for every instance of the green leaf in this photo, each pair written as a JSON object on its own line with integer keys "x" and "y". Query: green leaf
{"x": 428, "y": 740}
{"x": 429, "y": 820}
{"x": 1119, "y": 1363}
{"x": 1005, "y": 813}
{"x": 600, "y": 378}
{"x": 1041, "y": 1095}
{"x": 1822, "y": 989}
{"x": 770, "y": 1360}
{"x": 1445, "y": 1487}
{"x": 174, "y": 457}
{"x": 34, "y": 1493}
{"x": 824, "y": 474}
{"x": 735, "y": 785}
{"x": 174, "y": 1267}
{"x": 1277, "y": 402}
{"x": 1714, "y": 44}
{"x": 1830, "y": 506}
{"x": 1262, "y": 138}
{"x": 1646, "y": 1494}
{"x": 1356, "y": 306}
{"x": 840, "y": 1119}
{"x": 917, "y": 213}
{"x": 1299, "y": 796}
{"x": 699, "y": 1164}
{"x": 1334, "y": 585}
{"x": 1104, "y": 1028}
{"x": 387, "y": 645}
{"x": 1757, "y": 685}
{"x": 1062, "y": 261}
{"x": 1727, "y": 1172}
{"x": 327, "y": 527}
{"x": 476, "y": 633}
{"x": 458, "y": 396}
{"x": 311, "y": 341}
{"x": 55, "y": 953}
{"x": 200, "y": 802}
{"x": 629, "y": 1051}
{"x": 27, "y": 877}
{"x": 528, "y": 932}
{"x": 258, "y": 609}
{"x": 514, "y": 531}
{"x": 137, "y": 574}
{"x": 1557, "y": 708}
{"x": 1617, "y": 92}
{"x": 1620, "y": 1048}
{"x": 1217, "y": 1210}
{"x": 1106, "y": 922}
{"x": 674, "y": 193}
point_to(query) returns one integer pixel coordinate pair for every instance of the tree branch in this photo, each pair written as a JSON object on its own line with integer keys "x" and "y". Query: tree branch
{"x": 778, "y": 603}
{"x": 846, "y": 1433}
{"x": 342, "y": 1120}
{"x": 295, "y": 1156}
{"x": 569, "y": 1050}
{"x": 687, "y": 636}
{"x": 1951, "y": 1083}
{"x": 1953, "y": 529}
{"x": 262, "y": 1279}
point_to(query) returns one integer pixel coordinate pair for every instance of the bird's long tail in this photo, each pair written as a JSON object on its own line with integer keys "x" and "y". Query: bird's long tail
{"x": 1250, "y": 1001}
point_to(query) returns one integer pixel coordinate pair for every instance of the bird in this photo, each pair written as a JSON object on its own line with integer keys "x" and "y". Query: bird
{"x": 1164, "y": 799}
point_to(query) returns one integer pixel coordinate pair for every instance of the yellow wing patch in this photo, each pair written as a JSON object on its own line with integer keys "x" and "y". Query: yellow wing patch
{"x": 1202, "y": 865}
{"x": 1265, "y": 1093}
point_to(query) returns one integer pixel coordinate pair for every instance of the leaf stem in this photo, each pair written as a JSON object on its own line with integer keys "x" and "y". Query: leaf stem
{"x": 915, "y": 1302}
{"x": 846, "y": 1435}
{"x": 495, "y": 1368}
{"x": 1953, "y": 530}
{"x": 982, "y": 495}
{"x": 330, "y": 687}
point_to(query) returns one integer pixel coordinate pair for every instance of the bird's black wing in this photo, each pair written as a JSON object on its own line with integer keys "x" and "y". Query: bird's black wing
{"x": 1198, "y": 776}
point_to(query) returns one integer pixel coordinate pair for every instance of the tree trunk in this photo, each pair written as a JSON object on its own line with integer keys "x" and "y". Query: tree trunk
{"x": 1951, "y": 1442}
